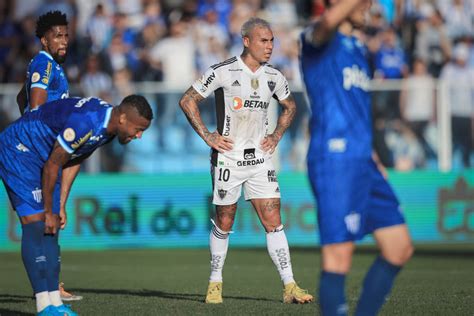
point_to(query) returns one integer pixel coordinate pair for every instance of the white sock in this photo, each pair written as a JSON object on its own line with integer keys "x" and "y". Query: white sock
{"x": 42, "y": 301}
{"x": 278, "y": 249}
{"x": 218, "y": 244}
{"x": 55, "y": 298}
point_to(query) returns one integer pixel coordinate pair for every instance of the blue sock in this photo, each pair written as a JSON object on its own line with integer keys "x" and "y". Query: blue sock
{"x": 332, "y": 299}
{"x": 34, "y": 256}
{"x": 53, "y": 261}
{"x": 377, "y": 285}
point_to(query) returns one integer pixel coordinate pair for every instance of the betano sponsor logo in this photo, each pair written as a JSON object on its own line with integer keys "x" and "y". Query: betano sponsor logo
{"x": 238, "y": 103}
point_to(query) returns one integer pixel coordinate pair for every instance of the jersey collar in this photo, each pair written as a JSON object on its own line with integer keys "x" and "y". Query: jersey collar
{"x": 46, "y": 54}
{"x": 107, "y": 117}
{"x": 247, "y": 69}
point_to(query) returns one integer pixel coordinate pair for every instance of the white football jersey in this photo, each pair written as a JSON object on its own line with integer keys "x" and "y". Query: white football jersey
{"x": 242, "y": 100}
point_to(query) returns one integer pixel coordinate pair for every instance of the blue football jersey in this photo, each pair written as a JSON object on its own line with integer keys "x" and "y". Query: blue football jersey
{"x": 45, "y": 73}
{"x": 79, "y": 125}
{"x": 337, "y": 77}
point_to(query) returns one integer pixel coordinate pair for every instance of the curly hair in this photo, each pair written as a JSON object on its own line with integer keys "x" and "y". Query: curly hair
{"x": 46, "y": 21}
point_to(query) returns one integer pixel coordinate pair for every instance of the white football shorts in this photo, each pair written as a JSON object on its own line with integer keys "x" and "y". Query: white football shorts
{"x": 257, "y": 176}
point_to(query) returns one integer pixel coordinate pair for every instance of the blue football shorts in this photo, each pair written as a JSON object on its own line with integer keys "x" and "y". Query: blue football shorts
{"x": 353, "y": 199}
{"x": 21, "y": 175}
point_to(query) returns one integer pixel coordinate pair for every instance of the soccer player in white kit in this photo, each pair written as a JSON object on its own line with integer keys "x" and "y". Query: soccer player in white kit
{"x": 242, "y": 149}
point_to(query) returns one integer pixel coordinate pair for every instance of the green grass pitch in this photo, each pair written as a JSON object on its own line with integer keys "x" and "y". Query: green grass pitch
{"x": 174, "y": 281}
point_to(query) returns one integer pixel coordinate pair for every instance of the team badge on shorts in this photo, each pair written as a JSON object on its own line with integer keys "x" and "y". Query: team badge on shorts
{"x": 222, "y": 193}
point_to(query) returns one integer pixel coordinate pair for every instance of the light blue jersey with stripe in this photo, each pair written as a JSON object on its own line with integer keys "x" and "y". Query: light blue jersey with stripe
{"x": 80, "y": 127}
{"x": 45, "y": 73}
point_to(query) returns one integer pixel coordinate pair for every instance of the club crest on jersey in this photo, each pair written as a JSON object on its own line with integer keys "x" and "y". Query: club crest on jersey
{"x": 222, "y": 193}
{"x": 254, "y": 83}
{"x": 271, "y": 85}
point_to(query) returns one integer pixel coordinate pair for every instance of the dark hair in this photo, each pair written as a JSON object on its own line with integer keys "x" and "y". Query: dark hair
{"x": 140, "y": 104}
{"x": 46, "y": 21}
{"x": 327, "y": 3}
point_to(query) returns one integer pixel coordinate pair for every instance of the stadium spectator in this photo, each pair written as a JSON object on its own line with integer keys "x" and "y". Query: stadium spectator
{"x": 38, "y": 164}
{"x": 98, "y": 29}
{"x": 417, "y": 104}
{"x": 460, "y": 78}
{"x": 94, "y": 81}
{"x": 390, "y": 63}
{"x": 432, "y": 43}
{"x": 242, "y": 150}
{"x": 353, "y": 197}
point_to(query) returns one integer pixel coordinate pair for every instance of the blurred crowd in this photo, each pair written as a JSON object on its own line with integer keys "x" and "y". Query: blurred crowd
{"x": 116, "y": 43}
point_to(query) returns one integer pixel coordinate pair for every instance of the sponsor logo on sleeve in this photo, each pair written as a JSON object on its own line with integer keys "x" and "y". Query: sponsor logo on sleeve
{"x": 209, "y": 80}
{"x": 81, "y": 140}
{"x": 47, "y": 73}
{"x": 69, "y": 134}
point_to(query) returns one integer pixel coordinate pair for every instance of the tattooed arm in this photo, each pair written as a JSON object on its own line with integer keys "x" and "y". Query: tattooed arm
{"x": 57, "y": 159}
{"x": 189, "y": 104}
{"x": 270, "y": 142}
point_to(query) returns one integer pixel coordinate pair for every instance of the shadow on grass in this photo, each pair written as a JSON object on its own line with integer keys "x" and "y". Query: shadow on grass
{"x": 9, "y": 312}
{"x": 9, "y": 298}
{"x": 167, "y": 295}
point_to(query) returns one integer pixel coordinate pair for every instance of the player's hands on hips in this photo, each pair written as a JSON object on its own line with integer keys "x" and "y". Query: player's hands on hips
{"x": 51, "y": 223}
{"x": 218, "y": 142}
{"x": 269, "y": 143}
{"x": 62, "y": 218}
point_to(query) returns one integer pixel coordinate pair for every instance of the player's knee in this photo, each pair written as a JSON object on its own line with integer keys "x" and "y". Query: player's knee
{"x": 337, "y": 259}
{"x": 224, "y": 223}
{"x": 401, "y": 254}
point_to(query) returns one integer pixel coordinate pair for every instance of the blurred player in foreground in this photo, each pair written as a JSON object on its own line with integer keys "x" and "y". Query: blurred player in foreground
{"x": 40, "y": 156}
{"x": 242, "y": 149}
{"x": 353, "y": 197}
